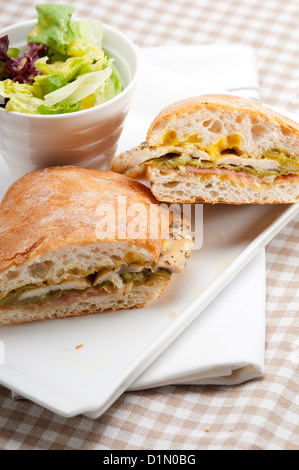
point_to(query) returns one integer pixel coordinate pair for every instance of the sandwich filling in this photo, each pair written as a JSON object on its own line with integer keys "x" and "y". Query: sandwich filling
{"x": 224, "y": 156}
{"x": 105, "y": 281}
{"x": 123, "y": 276}
{"x": 285, "y": 167}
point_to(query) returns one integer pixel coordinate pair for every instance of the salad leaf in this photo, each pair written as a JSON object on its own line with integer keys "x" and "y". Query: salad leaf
{"x": 8, "y": 89}
{"x": 57, "y": 75}
{"x": 88, "y": 36}
{"x": 79, "y": 89}
{"x": 20, "y": 69}
{"x": 23, "y": 104}
{"x": 2, "y": 70}
{"x": 113, "y": 87}
{"x": 60, "y": 108}
{"x": 20, "y": 97}
{"x": 53, "y": 27}
{"x": 4, "y": 44}
{"x": 45, "y": 84}
{"x": 13, "y": 52}
{"x": 71, "y": 68}
{"x": 4, "y": 57}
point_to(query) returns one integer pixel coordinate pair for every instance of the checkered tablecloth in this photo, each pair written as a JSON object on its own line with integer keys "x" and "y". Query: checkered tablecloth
{"x": 261, "y": 414}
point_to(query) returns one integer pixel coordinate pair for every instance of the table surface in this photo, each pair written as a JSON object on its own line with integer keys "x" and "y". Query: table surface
{"x": 261, "y": 414}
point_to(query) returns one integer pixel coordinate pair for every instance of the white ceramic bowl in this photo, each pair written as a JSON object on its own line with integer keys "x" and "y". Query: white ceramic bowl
{"x": 85, "y": 138}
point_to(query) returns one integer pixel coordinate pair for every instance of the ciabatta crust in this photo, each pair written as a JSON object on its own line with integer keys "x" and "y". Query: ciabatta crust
{"x": 228, "y": 103}
{"x": 48, "y": 209}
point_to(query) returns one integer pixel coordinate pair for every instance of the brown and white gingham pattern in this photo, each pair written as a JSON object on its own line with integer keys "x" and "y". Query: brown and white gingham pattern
{"x": 261, "y": 414}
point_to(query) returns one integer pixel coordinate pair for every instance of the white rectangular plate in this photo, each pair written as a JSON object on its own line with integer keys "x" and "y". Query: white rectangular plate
{"x": 82, "y": 365}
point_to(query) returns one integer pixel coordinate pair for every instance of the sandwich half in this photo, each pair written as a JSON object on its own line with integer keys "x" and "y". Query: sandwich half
{"x": 65, "y": 247}
{"x": 218, "y": 149}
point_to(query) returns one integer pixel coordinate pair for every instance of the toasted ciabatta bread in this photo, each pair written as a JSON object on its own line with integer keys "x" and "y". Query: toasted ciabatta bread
{"x": 218, "y": 149}
{"x": 66, "y": 246}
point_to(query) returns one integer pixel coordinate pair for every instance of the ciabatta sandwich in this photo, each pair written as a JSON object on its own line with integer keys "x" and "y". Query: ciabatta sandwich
{"x": 218, "y": 149}
{"x": 58, "y": 258}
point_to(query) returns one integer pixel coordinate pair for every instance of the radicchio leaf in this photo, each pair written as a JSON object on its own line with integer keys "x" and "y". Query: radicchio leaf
{"x": 4, "y": 43}
{"x": 20, "y": 69}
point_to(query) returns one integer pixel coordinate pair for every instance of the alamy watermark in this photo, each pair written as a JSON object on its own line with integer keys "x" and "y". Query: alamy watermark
{"x": 122, "y": 220}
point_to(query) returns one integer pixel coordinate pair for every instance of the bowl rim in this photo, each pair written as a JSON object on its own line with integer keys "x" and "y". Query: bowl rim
{"x": 108, "y": 103}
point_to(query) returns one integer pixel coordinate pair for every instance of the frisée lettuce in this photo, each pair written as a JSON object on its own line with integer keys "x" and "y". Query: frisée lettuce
{"x": 66, "y": 69}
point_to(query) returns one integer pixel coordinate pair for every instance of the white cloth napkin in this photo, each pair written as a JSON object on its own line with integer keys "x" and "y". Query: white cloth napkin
{"x": 225, "y": 345}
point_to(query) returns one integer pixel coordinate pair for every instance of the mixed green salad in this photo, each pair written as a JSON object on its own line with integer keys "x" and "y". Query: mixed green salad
{"x": 64, "y": 68}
